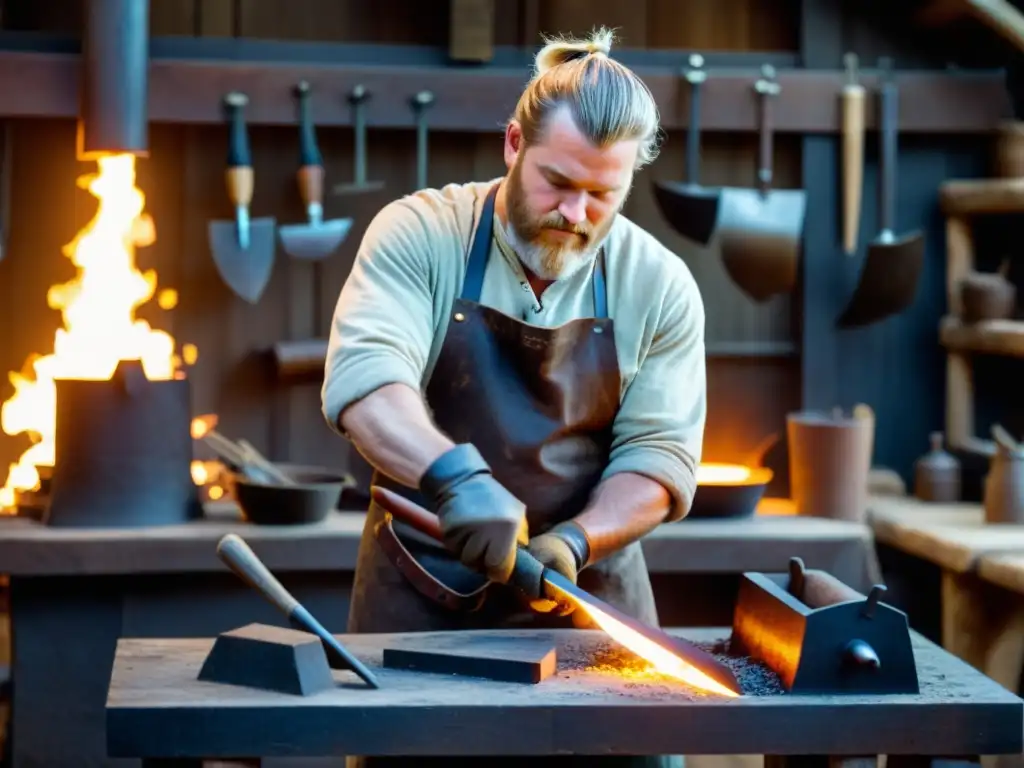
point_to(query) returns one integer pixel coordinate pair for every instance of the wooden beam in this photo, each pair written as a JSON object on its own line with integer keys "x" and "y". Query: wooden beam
{"x": 189, "y": 77}
{"x": 964, "y": 197}
{"x": 990, "y": 337}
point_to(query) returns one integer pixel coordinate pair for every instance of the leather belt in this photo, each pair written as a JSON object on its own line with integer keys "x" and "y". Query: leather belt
{"x": 422, "y": 580}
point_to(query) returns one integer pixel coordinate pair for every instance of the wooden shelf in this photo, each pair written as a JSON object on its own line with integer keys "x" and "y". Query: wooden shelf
{"x": 964, "y": 197}
{"x": 991, "y": 337}
{"x": 188, "y": 78}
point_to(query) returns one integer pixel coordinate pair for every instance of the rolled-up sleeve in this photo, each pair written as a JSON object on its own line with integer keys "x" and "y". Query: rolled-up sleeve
{"x": 659, "y": 429}
{"x": 383, "y": 323}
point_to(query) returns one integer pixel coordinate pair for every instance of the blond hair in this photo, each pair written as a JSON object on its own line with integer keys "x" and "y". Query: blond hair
{"x": 606, "y": 99}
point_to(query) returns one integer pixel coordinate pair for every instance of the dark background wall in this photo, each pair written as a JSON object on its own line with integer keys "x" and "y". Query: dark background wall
{"x": 797, "y": 357}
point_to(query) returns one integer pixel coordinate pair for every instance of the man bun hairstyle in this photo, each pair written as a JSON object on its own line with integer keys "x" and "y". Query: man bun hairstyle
{"x": 606, "y": 99}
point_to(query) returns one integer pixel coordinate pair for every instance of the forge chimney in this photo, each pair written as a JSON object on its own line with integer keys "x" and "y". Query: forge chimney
{"x": 113, "y": 111}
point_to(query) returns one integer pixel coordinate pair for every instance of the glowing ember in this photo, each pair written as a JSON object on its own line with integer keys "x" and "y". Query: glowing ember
{"x": 722, "y": 474}
{"x": 98, "y": 308}
{"x": 661, "y": 659}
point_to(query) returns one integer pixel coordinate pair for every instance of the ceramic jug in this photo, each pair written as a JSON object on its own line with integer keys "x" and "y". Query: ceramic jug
{"x": 1004, "y": 484}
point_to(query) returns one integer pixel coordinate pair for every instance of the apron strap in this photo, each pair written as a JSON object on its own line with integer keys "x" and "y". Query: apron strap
{"x": 600, "y": 289}
{"x": 473, "y": 284}
{"x": 480, "y": 251}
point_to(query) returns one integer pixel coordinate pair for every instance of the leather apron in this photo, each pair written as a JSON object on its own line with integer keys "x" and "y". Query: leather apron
{"x": 539, "y": 404}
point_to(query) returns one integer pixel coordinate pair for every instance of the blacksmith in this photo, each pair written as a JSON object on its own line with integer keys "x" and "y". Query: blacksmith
{"x": 526, "y": 362}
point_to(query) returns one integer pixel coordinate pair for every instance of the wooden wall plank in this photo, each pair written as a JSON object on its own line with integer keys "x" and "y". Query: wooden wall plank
{"x": 173, "y": 17}
{"x": 578, "y": 17}
{"x": 722, "y": 25}
{"x": 215, "y": 18}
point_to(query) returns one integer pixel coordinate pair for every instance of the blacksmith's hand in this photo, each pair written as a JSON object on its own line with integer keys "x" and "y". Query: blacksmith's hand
{"x": 564, "y": 549}
{"x": 482, "y": 522}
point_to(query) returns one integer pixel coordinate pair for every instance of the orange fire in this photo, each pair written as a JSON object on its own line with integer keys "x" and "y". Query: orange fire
{"x": 98, "y": 309}
{"x": 711, "y": 473}
{"x": 660, "y": 658}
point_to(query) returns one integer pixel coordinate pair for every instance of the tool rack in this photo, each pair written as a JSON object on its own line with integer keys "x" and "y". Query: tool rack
{"x": 961, "y": 201}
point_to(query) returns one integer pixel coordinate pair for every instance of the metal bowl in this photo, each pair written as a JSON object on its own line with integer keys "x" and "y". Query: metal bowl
{"x": 317, "y": 492}
{"x": 735, "y": 493}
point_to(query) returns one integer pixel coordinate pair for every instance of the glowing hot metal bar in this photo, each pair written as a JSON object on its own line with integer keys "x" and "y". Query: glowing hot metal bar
{"x": 671, "y": 656}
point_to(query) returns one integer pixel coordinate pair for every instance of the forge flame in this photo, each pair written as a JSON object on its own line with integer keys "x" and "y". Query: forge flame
{"x": 660, "y": 658}
{"x": 99, "y": 324}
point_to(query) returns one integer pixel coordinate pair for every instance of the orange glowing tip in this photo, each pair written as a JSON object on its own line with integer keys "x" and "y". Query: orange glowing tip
{"x": 661, "y": 658}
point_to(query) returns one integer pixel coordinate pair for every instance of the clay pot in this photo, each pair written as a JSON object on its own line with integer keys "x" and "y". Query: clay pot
{"x": 1009, "y": 150}
{"x": 829, "y": 462}
{"x": 937, "y": 474}
{"x": 988, "y": 295}
{"x": 1004, "y": 484}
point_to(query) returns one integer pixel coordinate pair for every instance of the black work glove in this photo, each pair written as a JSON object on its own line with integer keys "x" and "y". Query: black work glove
{"x": 564, "y": 549}
{"x": 482, "y": 523}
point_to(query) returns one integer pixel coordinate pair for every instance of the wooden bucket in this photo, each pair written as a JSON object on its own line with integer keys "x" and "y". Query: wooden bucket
{"x": 829, "y": 462}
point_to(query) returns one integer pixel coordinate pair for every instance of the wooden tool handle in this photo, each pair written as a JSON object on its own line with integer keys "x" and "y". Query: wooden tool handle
{"x": 408, "y": 512}
{"x": 237, "y": 555}
{"x": 240, "y": 182}
{"x": 239, "y": 175}
{"x": 311, "y": 184}
{"x": 311, "y": 163}
{"x": 821, "y": 589}
{"x": 853, "y": 98}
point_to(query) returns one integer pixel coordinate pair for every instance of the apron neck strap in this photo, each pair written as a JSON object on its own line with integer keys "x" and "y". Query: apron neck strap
{"x": 480, "y": 251}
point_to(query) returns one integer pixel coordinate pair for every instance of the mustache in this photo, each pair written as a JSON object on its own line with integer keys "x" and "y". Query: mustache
{"x": 559, "y": 223}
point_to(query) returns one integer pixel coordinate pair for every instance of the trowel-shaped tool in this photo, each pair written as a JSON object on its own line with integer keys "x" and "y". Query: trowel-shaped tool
{"x": 243, "y": 249}
{"x": 316, "y": 239}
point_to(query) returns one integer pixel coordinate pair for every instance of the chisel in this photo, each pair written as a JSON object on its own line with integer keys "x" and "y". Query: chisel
{"x": 672, "y": 655}
{"x": 240, "y": 558}
{"x": 853, "y": 153}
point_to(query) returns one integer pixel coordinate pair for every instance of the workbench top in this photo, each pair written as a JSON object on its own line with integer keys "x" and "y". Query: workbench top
{"x": 953, "y": 536}
{"x": 156, "y": 707}
{"x": 765, "y": 542}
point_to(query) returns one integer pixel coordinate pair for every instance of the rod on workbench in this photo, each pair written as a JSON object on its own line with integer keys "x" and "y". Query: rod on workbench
{"x": 113, "y": 110}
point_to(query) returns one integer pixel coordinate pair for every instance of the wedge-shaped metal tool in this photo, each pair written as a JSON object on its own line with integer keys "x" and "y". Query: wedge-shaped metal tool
{"x": 315, "y": 239}
{"x": 243, "y": 249}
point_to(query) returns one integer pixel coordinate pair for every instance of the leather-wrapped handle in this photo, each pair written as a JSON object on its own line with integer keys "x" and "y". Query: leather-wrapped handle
{"x": 409, "y": 512}
{"x": 237, "y": 555}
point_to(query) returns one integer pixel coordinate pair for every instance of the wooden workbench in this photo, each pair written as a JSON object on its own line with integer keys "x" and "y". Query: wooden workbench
{"x": 155, "y": 701}
{"x": 75, "y": 592}
{"x": 977, "y": 623}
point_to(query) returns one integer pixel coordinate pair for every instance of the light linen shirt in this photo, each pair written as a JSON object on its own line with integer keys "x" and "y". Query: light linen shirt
{"x": 393, "y": 313}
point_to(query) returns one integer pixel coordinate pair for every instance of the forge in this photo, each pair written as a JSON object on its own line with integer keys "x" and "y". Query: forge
{"x": 108, "y": 410}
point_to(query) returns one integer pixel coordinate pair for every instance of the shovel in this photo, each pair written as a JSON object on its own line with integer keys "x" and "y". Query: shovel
{"x": 316, "y": 239}
{"x": 359, "y": 184}
{"x": 695, "y": 665}
{"x": 893, "y": 267}
{"x": 243, "y": 249}
{"x": 760, "y": 229}
{"x": 689, "y": 208}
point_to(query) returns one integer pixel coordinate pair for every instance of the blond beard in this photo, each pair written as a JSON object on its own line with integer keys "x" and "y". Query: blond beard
{"x": 548, "y": 262}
